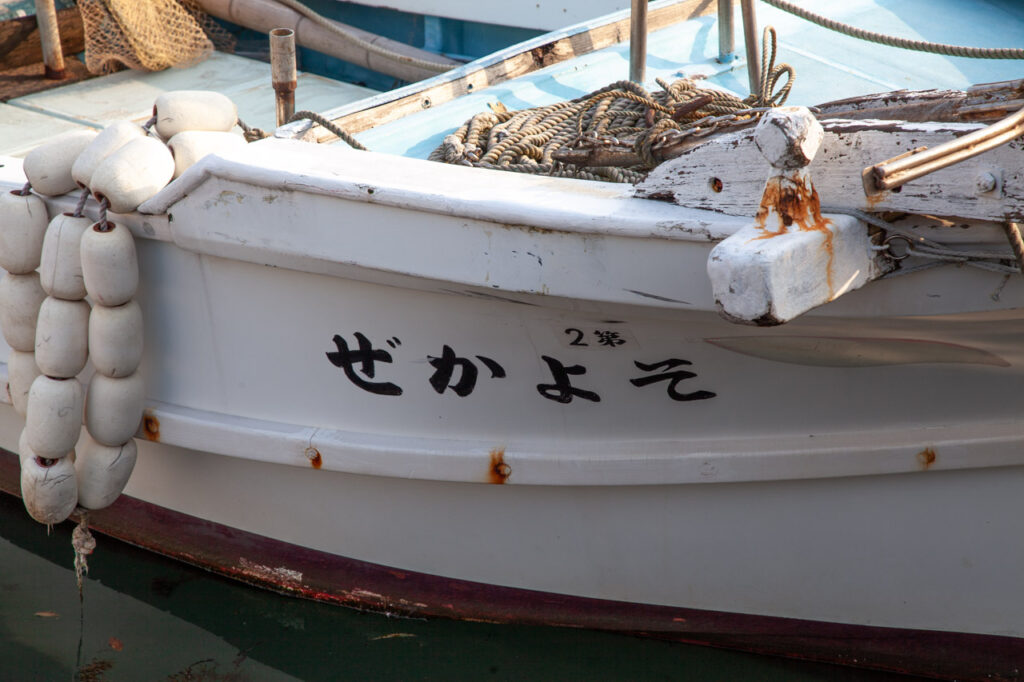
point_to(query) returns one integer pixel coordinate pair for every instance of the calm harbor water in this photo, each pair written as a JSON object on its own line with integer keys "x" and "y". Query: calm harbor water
{"x": 143, "y": 617}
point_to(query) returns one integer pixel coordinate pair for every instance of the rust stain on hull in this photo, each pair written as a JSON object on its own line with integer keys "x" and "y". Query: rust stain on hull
{"x": 926, "y": 458}
{"x": 499, "y": 471}
{"x": 315, "y": 460}
{"x": 151, "y": 427}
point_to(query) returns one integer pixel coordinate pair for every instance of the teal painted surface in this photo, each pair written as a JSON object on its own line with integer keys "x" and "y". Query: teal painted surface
{"x": 460, "y": 39}
{"x": 828, "y": 65}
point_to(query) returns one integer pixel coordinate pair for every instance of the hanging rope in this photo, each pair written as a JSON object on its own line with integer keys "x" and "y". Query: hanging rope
{"x": 893, "y": 41}
{"x": 253, "y": 134}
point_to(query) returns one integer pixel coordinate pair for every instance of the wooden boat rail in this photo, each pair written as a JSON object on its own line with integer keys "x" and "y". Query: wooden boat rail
{"x": 500, "y": 67}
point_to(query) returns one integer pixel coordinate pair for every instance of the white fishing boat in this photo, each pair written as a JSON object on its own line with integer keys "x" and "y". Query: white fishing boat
{"x": 434, "y": 389}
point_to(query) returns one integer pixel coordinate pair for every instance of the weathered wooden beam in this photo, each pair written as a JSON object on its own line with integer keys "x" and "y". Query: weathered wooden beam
{"x": 20, "y": 44}
{"x": 535, "y": 56}
{"x": 984, "y": 102}
{"x": 727, "y": 173}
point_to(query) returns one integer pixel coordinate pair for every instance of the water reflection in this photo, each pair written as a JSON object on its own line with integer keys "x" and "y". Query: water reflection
{"x": 146, "y": 618}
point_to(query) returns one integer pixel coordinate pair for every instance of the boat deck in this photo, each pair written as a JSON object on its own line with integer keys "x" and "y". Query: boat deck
{"x": 828, "y": 65}
{"x": 28, "y": 121}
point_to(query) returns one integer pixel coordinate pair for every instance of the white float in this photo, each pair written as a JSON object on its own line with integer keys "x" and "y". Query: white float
{"x": 21, "y": 372}
{"x": 132, "y": 174}
{"x": 24, "y": 221}
{"x": 24, "y": 451}
{"x": 115, "y": 339}
{"x": 103, "y": 471}
{"x": 54, "y": 419}
{"x": 110, "y": 266}
{"x": 62, "y": 337}
{"x": 183, "y": 110}
{"x": 49, "y": 488}
{"x": 190, "y": 146}
{"x": 20, "y": 298}
{"x": 48, "y": 167}
{"x": 114, "y": 409}
{"x": 60, "y": 264}
{"x": 108, "y": 141}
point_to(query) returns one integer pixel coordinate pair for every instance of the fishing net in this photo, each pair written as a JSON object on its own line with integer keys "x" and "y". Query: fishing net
{"x": 148, "y": 35}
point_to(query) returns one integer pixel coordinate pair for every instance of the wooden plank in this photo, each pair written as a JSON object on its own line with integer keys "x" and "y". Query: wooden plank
{"x": 980, "y": 103}
{"x": 20, "y": 44}
{"x": 481, "y": 74}
{"x": 728, "y": 173}
{"x": 26, "y": 80}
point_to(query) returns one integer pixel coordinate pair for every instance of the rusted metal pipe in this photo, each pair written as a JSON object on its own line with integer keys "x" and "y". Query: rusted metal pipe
{"x": 283, "y": 72}
{"x": 638, "y": 40}
{"x": 750, "y": 42}
{"x": 49, "y": 36}
{"x": 726, "y": 40}
{"x": 902, "y": 169}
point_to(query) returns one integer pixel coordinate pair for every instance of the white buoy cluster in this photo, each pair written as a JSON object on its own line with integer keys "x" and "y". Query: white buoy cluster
{"x": 56, "y": 267}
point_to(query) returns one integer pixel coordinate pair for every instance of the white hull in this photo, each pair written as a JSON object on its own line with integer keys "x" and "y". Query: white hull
{"x": 860, "y": 465}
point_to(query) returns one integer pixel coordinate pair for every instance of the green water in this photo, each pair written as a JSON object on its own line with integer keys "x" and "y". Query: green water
{"x": 143, "y": 617}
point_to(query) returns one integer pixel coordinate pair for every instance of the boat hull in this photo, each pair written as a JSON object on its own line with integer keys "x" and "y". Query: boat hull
{"x": 790, "y": 549}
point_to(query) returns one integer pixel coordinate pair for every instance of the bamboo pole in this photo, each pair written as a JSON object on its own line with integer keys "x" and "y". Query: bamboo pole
{"x": 264, "y": 15}
{"x": 49, "y": 36}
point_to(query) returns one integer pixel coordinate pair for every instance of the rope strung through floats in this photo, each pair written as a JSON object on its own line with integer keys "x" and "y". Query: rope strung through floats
{"x": 622, "y": 113}
{"x": 893, "y": 41}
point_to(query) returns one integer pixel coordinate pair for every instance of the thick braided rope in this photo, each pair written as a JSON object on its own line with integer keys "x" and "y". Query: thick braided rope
{"x": 622, "y": 112}
{"x": 893, "y": 41}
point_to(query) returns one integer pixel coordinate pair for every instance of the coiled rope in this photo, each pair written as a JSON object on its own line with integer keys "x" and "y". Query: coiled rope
{"x": 622, "y": 114}
{"x": 893, "y": 41}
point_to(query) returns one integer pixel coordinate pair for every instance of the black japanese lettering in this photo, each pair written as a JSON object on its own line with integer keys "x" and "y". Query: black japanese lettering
{"x": 672, "y": 377}
{"x": 445, "y": 365}
{"x": 365, "y": 356}
{"x": 562, "y": 391}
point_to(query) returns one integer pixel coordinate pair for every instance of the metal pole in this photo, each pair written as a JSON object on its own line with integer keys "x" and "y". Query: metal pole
{"x": 726, "y": 42}
{"x": 282, "y": 72}
{"x": 637, "y": 40}
{"x": 750, "y": 41}
{"x": 49, "y": 36}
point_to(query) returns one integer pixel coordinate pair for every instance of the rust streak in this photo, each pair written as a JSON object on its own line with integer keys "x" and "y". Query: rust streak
{"x": 151, "y": 427}
{"x": 795, "y": 202}
{"x": 315, "y": 459}
{"x": 499, "y": 471}
{"x": 926, "y": 458}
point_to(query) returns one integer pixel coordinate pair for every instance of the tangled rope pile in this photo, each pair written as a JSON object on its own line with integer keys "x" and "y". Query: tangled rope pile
{"x": 622, "y": 113}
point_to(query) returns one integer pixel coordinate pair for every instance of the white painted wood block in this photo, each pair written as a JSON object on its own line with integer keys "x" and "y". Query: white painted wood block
{"x": 766, "y": 278}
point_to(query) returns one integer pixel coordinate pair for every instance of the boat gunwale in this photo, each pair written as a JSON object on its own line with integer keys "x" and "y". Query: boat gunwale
{"x": 512, "y": 62}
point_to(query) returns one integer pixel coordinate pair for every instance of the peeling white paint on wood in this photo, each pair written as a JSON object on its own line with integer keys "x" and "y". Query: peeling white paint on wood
{"x": 848, "y": 148}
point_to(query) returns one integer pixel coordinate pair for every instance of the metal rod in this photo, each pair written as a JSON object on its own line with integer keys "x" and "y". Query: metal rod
{"x": 750, "y": 42}
{"x": 638, "y": 40}
{"x": 49, "y": 36}
{"x": 906, "y": 167}
{"x": 726, "y": 39}
{"x": 282, "y": 72}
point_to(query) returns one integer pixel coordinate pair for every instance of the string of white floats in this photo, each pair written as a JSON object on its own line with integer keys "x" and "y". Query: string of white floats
{"x": 55, "y": 268}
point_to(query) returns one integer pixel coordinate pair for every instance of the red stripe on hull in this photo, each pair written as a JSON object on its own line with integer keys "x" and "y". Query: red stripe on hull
{"x": 277, "y": 565}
